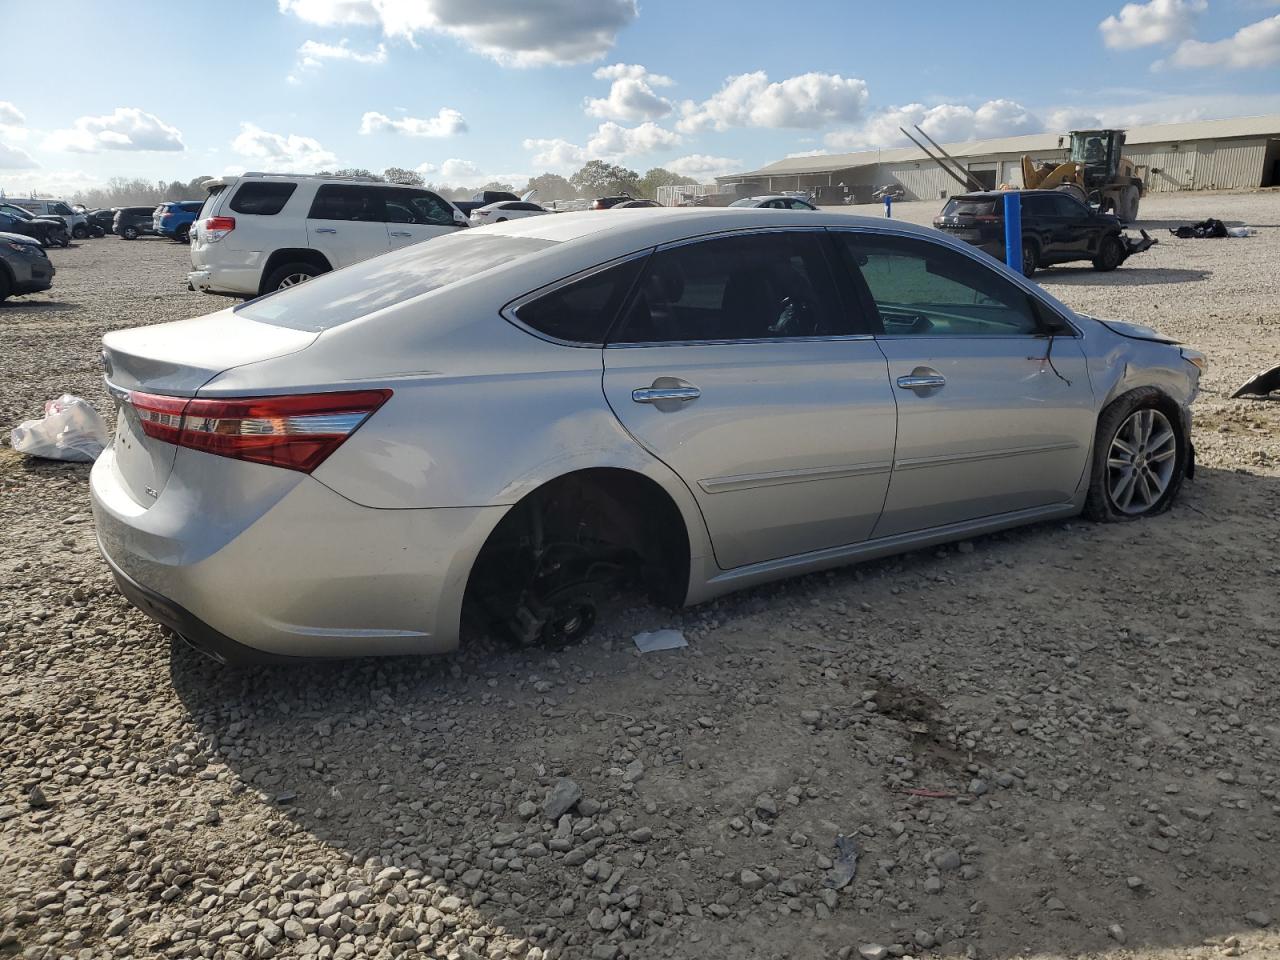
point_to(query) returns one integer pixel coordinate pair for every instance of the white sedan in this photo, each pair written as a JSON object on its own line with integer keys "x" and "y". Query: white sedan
{"x": 775, "y": 202}
{"x": 505, "y": 210}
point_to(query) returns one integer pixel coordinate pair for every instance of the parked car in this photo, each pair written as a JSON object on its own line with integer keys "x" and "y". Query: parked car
{"x": 486, "y": 197}
{"x": 638, "y": 203}
{"x": 605, "y": 203}
{"x": 263, "y": 231}
{"x": 24, "y": 266}
{"x": 505, "y": 210}
{"x": 130, "y": 223}
{"x": 74, "y": 221}
{"x": 1056, "y": 228}
{"x": 100, "y": 221}
{"x": 48, "y": 232}
{"x": 774, "y": 202}
{"x": 515, "y": 419}
{"x": 173, "y": 219}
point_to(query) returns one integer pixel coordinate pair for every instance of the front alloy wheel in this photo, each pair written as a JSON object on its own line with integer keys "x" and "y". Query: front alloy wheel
{"x": 1141, "y": 461}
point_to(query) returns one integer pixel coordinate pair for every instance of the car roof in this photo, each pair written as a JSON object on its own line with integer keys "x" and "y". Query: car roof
{"x": 997, "y": 194}
{"x": 657, "y": 225}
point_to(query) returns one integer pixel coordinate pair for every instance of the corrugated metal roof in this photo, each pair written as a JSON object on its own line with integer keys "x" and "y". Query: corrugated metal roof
{"x": 1155, "y": 133}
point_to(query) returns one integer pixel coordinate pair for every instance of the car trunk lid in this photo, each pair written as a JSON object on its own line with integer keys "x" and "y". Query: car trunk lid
{"x": 151, "y": 370}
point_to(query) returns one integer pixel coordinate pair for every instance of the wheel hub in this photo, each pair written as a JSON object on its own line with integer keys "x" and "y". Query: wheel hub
{"x": 1141, "y": 461}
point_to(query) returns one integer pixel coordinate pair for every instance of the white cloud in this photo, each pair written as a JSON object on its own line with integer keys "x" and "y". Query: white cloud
{"x": 274, "y": 151}
{"x": 1071, "y": 118}
{"x": 11, "y": 158}
{"x": 613, "y": 141}
{"x": 464, "y": 173}
{"x": 631, "y": 94}
{"x": 125, "y": 128}
{"x": 446, "y": 123}
{"x": 313, "y": 54}
{"x": 512, "y": 32}
{"x": 703, "y": 167}
{"x": 11, "y": 116}
{"x": 1145, "y": 24}
{"x": 944, "y": 122}
{"x": 1257, "y": 45}
{"x": 555, "y": 155}
{"x": 56, "y": 183}
{"x": 807, "y": 153}
{"x": 750, "y": 100}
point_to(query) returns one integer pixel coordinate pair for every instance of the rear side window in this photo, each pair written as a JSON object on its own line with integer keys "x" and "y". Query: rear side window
{"x": 333, "y": 299}
{"x": 417, "y": 206}
{"x": 190, "y": 206}
{"x": 767, "y": 286}
{"x": 210, "y": 200}
{"x": 582, "y": 311}
{"x": 340, "y": 201}
{"x": 263, "y": 199}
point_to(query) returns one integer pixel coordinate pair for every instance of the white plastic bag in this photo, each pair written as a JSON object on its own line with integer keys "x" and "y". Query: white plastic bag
{"x": 70, "y": 430}
{"x": 1241, "y": 232}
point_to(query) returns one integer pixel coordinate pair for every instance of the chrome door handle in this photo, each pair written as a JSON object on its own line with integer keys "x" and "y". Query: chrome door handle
{"x": 655, "y": 394}
{"x": 401, "y": 233}
{"x": 325, "y": 230}
{"x": 922, "y": 382}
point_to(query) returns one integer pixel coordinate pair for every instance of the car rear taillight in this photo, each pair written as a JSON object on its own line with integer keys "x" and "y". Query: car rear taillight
{"x": 215, "y": 228}
{"x": 294, "y": 432}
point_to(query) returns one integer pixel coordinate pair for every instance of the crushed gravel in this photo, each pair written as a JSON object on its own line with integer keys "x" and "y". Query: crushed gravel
{"x": 1058, "y": 741}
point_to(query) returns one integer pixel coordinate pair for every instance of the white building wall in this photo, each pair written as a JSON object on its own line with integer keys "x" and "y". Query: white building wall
{"x": 1200, "y": 164}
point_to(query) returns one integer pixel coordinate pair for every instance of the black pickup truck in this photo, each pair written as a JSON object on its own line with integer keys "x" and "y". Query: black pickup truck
{"x": 1056, "y": 228}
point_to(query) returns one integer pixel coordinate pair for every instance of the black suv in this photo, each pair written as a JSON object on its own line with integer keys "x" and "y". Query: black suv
{"x": 133, "y": 222}
{"x": 1056, "y": 228}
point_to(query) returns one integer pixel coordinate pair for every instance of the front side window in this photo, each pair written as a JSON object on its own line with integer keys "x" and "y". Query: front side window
{"x": 762, "y": 286}
{"x": 921, "y": 288}
{"x": 1068, "y": 208}
{"x": 340, "y": 201}
{"x": 61, "y": 209}
{"x": 418, "y": 206}
{"x": 582, "y": 311}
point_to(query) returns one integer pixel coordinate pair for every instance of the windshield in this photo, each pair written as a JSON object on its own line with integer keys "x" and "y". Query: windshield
{"x": 745, "y": 202}
{"x": 364, "y": 288}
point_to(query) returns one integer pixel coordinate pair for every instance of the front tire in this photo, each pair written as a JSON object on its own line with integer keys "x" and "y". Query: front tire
{"x": 80, "y": 232}
{"x": 183, "y": 234}
{"x": 1110, "y": 255}
{"x": 1140, "y": 457}
{"x": 290, "y": 275}
{"x": 129, "y": 233}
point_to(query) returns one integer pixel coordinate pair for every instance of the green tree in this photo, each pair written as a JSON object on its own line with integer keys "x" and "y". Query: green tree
{"x": 660, "y": 177}
{"x": 498, "y": 186}
{"x": 400, "y": 175}
{"x": 551, "y": 187}
{"x": 598, "y": 178}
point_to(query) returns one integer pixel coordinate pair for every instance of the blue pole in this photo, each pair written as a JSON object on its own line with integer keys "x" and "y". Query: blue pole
{"x": 1013, "y": 230}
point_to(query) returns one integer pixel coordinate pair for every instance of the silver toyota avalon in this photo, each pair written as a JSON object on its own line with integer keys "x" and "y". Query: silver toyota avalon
{"x": 502, "y": 426}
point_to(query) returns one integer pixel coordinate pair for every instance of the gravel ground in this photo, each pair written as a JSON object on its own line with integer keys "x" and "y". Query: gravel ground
{"x": 1093, "y": 708}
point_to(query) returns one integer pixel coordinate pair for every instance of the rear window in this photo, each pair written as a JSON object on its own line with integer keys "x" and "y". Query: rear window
{"x": 263, "y": 199}
{"x": 957, "y": 207}
{"x": 333, "y": 299}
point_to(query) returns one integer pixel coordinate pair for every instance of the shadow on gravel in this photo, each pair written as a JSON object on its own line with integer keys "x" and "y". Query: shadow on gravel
{"x": 1124, "y": 276}
{"x": 1048, "y": 733}
{"x": 35, "y": 307}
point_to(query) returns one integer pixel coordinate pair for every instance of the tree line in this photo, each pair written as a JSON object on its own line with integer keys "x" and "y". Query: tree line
{"x": 595, "y": 179}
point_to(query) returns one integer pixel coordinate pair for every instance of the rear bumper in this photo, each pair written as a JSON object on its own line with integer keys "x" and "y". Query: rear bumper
{"x": 248, "y": 561}
{"x": 228, "y": 283}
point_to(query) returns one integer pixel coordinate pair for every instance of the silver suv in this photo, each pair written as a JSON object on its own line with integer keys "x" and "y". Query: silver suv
{"x": 263, "y": 231}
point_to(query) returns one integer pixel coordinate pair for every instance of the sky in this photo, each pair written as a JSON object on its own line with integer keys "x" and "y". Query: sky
{"x": 467, "y": 91}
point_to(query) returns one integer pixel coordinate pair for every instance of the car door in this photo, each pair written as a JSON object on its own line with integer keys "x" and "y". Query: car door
{"x": 417, "y": 215}
{"x": 994, "y": 416}
{"x": 1079, "y": 231}
{"x": 347, "y": 223}
{"x": 736, "y": 365}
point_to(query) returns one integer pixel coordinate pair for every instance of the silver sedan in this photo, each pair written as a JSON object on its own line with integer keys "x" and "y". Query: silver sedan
{"x": 512, "y": 422}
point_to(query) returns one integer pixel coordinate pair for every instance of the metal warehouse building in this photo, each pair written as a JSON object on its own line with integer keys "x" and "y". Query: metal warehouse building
{"x": 1204, "y": 155}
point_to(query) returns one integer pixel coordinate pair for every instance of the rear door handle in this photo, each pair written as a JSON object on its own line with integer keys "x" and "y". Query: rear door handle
{"x": 401, "y": 233}
{"x": 922, "y": 382}
{"x": 326, "y": 230}
{"x": 657, "y": 394}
